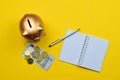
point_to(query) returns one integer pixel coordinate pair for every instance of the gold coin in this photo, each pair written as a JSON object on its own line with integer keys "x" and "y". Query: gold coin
{"x": 27, "y": 44}
{"x": 35, "y": 54}
{"x": 44, "y": 54}
{"x": 30, "y": 61}
{"x": 37, "y": 48}
{"x": 27, "y": 52}
{"x": 39, "y": 59}
{"x": 27, "y": 57}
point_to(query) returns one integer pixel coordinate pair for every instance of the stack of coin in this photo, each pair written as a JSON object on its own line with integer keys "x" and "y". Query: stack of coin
{"x": 28, "y": 58}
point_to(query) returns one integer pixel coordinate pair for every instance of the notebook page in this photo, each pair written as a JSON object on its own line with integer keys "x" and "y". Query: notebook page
{"x": 72, "y": 47}
{"x": 95, "y": 53}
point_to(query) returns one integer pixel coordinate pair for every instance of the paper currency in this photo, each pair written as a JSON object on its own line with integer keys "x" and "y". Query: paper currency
{"x": 40, "y": 57}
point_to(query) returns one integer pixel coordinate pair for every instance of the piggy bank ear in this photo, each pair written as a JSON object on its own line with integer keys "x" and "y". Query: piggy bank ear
{"x": 25, "y": 33}
{"x": 40, "y": 28}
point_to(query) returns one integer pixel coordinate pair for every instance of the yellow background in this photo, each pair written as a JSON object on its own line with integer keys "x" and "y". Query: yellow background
{"x": 100, "y": 18}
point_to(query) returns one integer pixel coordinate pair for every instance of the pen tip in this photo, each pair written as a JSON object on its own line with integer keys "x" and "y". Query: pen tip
{"x": 49, "y": 45}
{"x": 78, "y": 29}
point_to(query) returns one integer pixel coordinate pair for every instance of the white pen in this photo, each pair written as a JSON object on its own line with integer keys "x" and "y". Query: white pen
{"x": 59, "y": 40}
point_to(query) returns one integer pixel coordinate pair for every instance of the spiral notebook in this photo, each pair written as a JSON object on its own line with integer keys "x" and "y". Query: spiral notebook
{"x": 84, "y": 50}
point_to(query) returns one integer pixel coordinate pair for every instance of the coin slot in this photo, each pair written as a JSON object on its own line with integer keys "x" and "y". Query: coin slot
{"x": 29, "y": 23}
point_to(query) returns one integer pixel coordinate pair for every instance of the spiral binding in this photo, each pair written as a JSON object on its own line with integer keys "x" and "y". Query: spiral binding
{"x": 84, "y": 48}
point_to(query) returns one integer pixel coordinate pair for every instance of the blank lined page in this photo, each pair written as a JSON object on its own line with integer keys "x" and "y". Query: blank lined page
{"x": 95, "y": 53}
{"x": 72, "y": 47}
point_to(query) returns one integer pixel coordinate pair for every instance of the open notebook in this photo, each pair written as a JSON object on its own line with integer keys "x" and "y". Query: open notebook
{"x": 84, "y": 50}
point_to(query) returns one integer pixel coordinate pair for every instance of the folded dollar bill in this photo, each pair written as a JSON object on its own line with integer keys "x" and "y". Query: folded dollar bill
{"x": 33, "y": 53}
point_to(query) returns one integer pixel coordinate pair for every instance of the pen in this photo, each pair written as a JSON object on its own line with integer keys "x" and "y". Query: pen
{"x": 60, "y": 39}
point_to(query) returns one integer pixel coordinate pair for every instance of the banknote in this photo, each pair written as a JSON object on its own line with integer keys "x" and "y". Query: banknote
{"x": 38, "y": 55}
